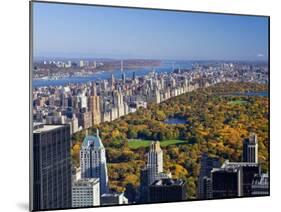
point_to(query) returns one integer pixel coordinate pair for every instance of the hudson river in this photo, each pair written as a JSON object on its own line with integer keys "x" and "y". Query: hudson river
{"x": 164, "y": 67}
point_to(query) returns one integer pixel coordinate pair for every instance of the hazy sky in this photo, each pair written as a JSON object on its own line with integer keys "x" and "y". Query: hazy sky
{"x": 89, "y": 31}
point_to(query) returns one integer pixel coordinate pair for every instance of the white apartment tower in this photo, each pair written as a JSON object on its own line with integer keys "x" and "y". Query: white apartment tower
{"x": 93, "y": 161}
{"x": 155, "y": 162}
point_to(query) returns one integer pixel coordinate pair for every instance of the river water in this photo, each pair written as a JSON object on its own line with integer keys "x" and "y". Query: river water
{"x": 166, "y": 66}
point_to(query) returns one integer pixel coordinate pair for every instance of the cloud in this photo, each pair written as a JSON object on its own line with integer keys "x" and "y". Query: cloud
{"x": 260, "y": 55}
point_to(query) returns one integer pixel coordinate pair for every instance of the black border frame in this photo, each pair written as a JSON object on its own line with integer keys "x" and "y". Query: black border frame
{"x": 127, "y": 7}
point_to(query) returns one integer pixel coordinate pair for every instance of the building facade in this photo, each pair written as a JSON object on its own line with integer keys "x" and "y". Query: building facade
{"x": 250, "y": 149}
{"x": 167, "y": 190}
{"x": 155, "y": 161}
{"x": 234, "y": 179}
{"x": 94, "y": 107}
{"x": 207, "y": 164}
{"x": 260, "y": 185}
{"x": 51, "y": 167}
{"x": 86, "y": 192}
{"x": 93, "y": 161}
{"x": 152, "y": 172}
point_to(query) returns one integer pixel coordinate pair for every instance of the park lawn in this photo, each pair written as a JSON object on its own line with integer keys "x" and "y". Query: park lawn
{"x": 237, "y": 102}
{"x": 137, "y": 143}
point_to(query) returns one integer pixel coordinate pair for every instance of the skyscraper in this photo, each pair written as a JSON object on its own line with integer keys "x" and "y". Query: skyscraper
{"x": 226, "y": 182}
{"x": 94, "y": 107}
{"x": 250, "y": 149}
{"x": 143, "y": 190}
{"x": 118, "y": 103}
{"x": 123, "y": 77}
{"x": 207, "y": 164}
{"x": 234, "y": 179}
{"x": 51, "y": 167}
{"x": 153, "y": 171}
{"x": 112, "y": 82}
{"x": 86, "y": 192}
{"x": 85, "y": 119}
{"x": 93, "y": 161}
{"x": 155, "y": 161}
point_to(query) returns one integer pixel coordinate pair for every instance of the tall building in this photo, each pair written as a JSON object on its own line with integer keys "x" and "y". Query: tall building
{"x": 207, "y": 164}
{"x": 123, "y": 77}
{"x": 94, "y": 107}
{"x": 93, "y": 161}
{"x": 250, "y": 149}
{"x": 85, "y": 119}
{"x": 143, "y": 190}
{"x": 86, "y": 192}
{"x": 82, "y": 101}
{"x": 156, "y": 96}
{"x": 51, "y": 167}
{"x": 112, "y": 82}
{"x": 234, "y": 179}
{"x": 153, "y": 171}
{"x": 118, "y": 103}
{"x": 74, "y": 124}
{"x": 155, "y": 161}
{"x": 167, "y": 190}
{"x": 226, "y": 183}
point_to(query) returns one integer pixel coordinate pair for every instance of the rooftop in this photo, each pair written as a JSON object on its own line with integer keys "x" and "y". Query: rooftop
{"x": 262, "y": 179}
{"x": 92, "y": 141}
{"x": 155, "y": 146}
{"x": 112, "y": 194}
{"x": 39, "y": 128}
{"x": 168, "y": 182}
{"x": 228, "y": 164}
{"x": 86, "y": 182}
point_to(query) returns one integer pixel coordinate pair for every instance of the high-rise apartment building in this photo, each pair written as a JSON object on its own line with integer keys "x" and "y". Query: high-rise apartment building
{"x": 250, "y": 149}
{"x": 94, "y": 108}
{"x": 153, "y": 171}
{"x": 85, "y": 119}
{"x": 93, "y": 161}
{"x": 119, "y": 103}
{"x": 155, "y": 161}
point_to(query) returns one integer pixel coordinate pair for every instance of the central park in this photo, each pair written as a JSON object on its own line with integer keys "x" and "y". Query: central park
{"x": 215, "y": 121}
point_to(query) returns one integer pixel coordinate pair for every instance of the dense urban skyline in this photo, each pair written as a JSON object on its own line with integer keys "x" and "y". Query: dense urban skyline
{"x": 90, "y": 31}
